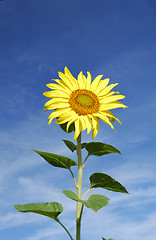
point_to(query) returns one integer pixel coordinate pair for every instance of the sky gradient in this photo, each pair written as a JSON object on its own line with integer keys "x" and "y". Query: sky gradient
{"x": 38, "y": 39}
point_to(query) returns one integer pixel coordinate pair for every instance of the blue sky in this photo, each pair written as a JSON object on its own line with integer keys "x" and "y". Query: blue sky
{"x": 38, "y": 39}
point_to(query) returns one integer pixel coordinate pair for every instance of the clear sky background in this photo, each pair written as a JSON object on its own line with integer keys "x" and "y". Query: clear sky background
{"x": 116, "y": 38}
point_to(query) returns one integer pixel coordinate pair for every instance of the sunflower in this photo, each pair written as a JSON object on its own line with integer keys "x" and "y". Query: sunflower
{"x": 82, "y": 102}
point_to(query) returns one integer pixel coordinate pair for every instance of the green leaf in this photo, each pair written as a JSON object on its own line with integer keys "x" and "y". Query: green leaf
{"x": 51, "y": 210}
{"x": 103, "y": 180}
{"x": 70, "y": 145}
{"x": 57, "y": 160}
{"x": 95, "y": 201}
{"x": 64, "y": 127}
{"x": 71, "y": 195}
{"x": 99, "y": 149}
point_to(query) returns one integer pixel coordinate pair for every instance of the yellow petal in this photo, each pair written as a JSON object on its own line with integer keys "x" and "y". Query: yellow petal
{"x": 56, "y": 93}
{"x": 111, "y": 115}
{"x": 95, "y": 83}
{"x": 106, "y": 120}
{"x": 77, "y": 128}
{"x": 88, "y": 81}
{"x": 88, "y": 124}
{"x": 108, "y": 94}
{"x": 81, "y": 81}
{"x": 112, "y": 105}
{"x": 67, "y": 116}
{"x": 95, "y": 130}
{"x": 94, "y": 124}
{"x": 55, "y": 100}
{"x": 58, "y": 121}
{"x": 107, "y": 89}
{"x": 67, "y": 81}
{"x": 74, "y": 118}
{"x": 83, "y": 124}
{"x": 63, "y": 84}
{"x": 85, "y": 81}
{"x": 58, "y": 87}
{"x": 70, "y": 76}
{"x": 57, "y": 105}
{"x": 56, "y": 114}
{"x": 101, "y": 86}
{"x": 110, "y": 99}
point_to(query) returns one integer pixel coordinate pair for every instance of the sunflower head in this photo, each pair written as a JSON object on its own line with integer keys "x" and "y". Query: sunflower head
{"x": 82, "y": 102}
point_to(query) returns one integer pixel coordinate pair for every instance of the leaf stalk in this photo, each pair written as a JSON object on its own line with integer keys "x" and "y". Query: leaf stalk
{"x": 73, "y": 178}
{"x": 65, "y": 229}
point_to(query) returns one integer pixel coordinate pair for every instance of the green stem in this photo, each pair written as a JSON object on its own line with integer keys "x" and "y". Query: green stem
{"x": 65, "y": 229}
{"x": 81, "y": 211}
{"x": 79, "y": 189}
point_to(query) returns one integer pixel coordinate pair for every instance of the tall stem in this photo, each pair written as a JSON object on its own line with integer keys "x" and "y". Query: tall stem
{"x": 79, "y": 189}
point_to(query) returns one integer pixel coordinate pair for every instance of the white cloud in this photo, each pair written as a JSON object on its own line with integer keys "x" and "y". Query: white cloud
{"x": 114, "y": 225}
{"x": 17, "y": 219}
{"x": 46, "y": 234}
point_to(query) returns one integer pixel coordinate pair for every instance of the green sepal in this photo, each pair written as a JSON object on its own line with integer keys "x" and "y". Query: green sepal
{"x": 51, "y": 210}
{"x": 99, "y": 148}
{"x": 70, "y": 145}
{"x": 83, "y": 145}
{"x": 64, "y": 127}
{"x": 105, "y": 181}
{"x": 95, "y": 201}
{"x": 57, "y": 160}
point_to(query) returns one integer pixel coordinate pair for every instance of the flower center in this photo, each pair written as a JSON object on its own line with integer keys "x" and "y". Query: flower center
{"x": 84, "y": 102}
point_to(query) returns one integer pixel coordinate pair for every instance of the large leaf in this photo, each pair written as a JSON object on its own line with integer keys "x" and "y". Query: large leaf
{"x": 95, "y": 201}
{"x": 51, "y": 210}
{"x": 103, "y": 180}
{"x": 99, "y": 149}
{"x": 57, "y": 160}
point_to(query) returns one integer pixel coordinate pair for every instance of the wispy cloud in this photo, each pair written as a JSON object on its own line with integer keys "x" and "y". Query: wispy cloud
{"x": 46, "y": 234}
{"x": 13, "y": 220}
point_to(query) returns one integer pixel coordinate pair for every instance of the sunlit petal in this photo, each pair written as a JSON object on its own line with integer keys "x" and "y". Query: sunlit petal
{"x": 78, "y": 128}
{"x": 95, "y": 83}
{"x": 88, "y": 82}
{"x": 102, "y": 84}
